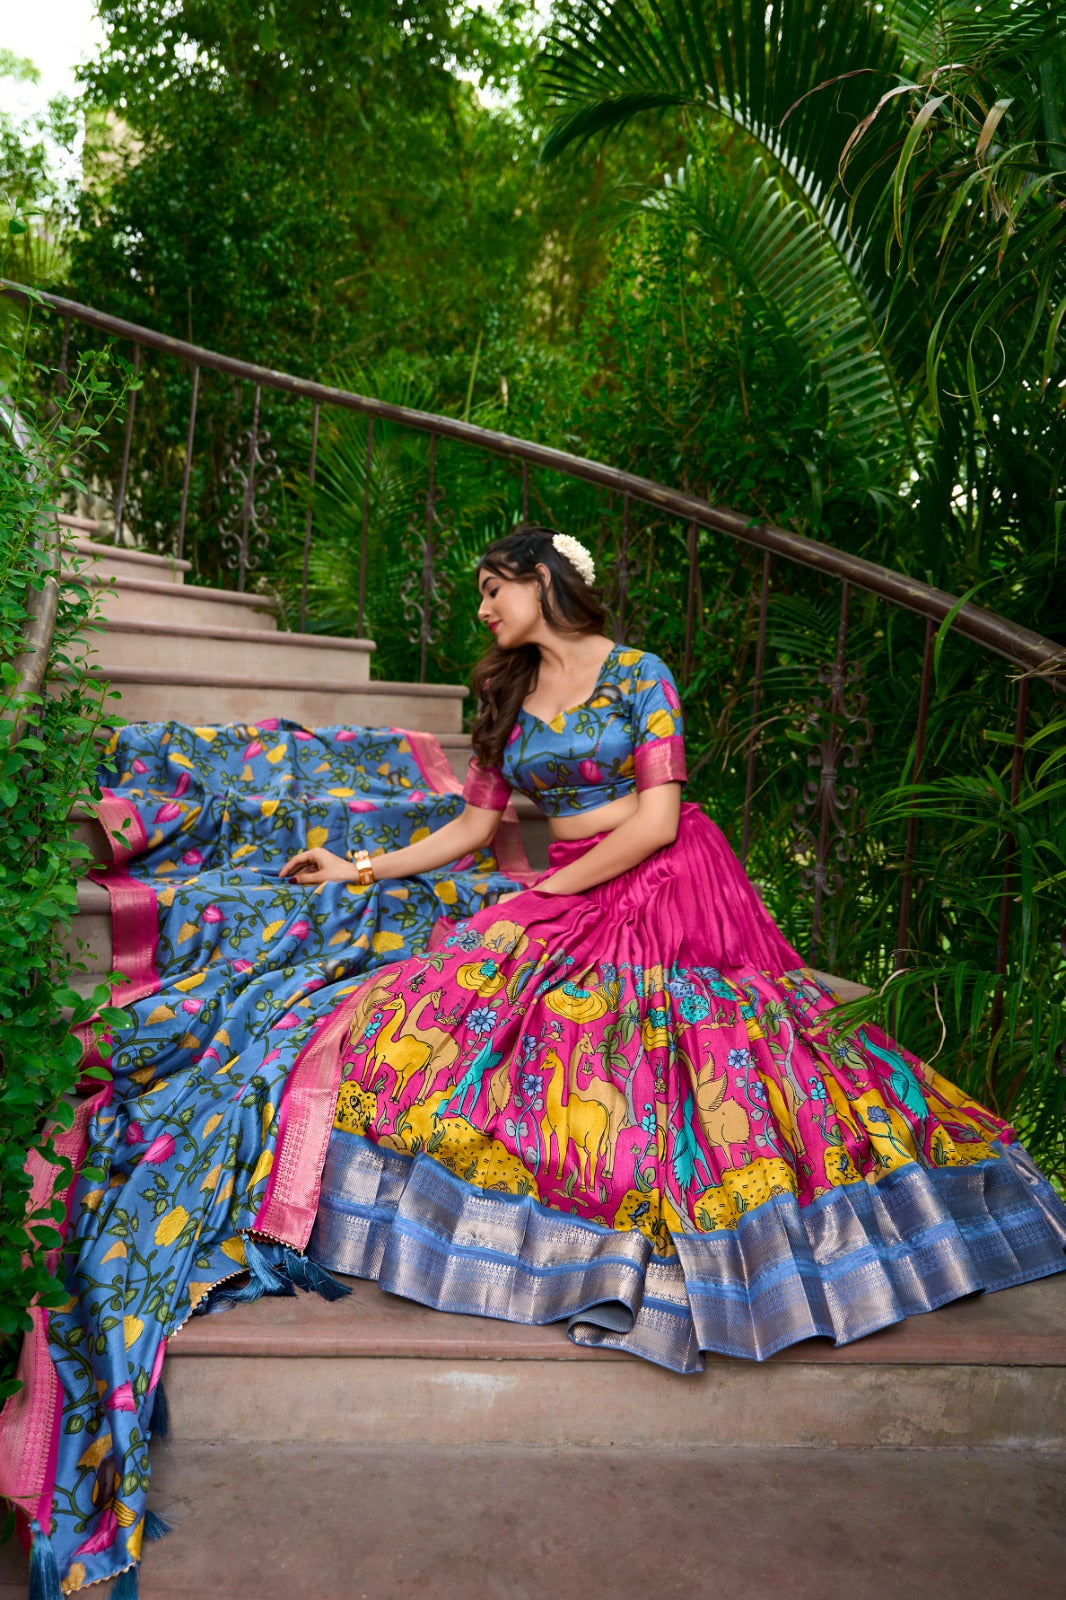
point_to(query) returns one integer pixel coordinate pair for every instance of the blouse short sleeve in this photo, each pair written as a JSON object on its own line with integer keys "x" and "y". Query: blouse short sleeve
{"x": 658, "y": 729}
{"x": 486, "y": 787}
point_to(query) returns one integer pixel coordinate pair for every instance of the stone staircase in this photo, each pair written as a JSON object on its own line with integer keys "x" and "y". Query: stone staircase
{"x": 172, "y": 650}
{"x": 372, "y": 1449}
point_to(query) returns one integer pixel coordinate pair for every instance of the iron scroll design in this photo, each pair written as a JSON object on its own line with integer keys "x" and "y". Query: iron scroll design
{"x": 827, "y": 816}
{"x": 426, "y": 590}
{"x": 250, "y": 473}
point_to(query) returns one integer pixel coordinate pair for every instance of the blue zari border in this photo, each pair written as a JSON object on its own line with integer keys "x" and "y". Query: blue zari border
{"x": 858, "y": 1259}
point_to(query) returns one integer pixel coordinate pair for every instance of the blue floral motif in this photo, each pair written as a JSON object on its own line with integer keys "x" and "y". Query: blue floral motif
{"x": 740, "y": 1060}
{"x": 530, "y": 1087}
{"x": 481, "y": 1020}
{"x": 817, "y": 1089}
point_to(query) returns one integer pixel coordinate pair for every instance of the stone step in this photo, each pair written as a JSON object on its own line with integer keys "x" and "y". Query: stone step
{"x": 356, "y": 1522}
{"x": 140, "y": 599}
{"x": 985, "y": 1373}
{"x": 84, "y": 527}
{"x": 115, "y": 561}
{"x": 157, "y": 694}
{"x": 88, "y": 941}
{"x": 208, "y": 648}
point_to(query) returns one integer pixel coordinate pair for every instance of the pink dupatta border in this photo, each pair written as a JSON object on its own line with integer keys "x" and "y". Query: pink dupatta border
{"x": 437, "y": 771}
{"x": 308, "y": 1103}
{"x": 29, "y": 1428}
{"x": 134, "y": 915}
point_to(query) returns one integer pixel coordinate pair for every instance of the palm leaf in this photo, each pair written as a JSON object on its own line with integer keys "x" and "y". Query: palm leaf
{"x": 807, "y": 295}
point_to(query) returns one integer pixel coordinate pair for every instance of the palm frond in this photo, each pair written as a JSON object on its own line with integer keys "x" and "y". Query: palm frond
{"x": 809, "y": 295}
{"x": 783, "y": 72}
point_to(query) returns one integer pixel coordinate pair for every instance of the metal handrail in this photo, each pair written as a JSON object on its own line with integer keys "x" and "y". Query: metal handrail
{"x": 1032, "y": 652}
{"x": 31, "y": 663}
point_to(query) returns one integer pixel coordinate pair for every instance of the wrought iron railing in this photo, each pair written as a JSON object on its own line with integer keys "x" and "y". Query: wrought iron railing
{"x": 834, "y": 721}
{"x": 42, "y": 600}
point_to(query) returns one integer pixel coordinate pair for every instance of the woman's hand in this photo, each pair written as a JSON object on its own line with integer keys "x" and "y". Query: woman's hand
{"x": 318, "y": 866}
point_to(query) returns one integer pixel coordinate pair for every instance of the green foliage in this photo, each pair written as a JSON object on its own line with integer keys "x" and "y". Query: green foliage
{"x": 33, "y": 201}
{"x": 44, "y": 766}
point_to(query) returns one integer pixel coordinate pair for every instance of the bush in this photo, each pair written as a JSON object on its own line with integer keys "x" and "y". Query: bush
{"x": 46, "y": 762}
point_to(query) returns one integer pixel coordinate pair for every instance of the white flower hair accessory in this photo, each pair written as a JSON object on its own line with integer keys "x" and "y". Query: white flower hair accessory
{"x": 580, "y": 559}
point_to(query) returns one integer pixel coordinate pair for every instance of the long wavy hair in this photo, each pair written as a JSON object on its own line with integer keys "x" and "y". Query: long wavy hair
{"x": 503, "y": 678}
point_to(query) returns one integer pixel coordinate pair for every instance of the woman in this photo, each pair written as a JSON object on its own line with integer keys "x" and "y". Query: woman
{"x": 612, "y": 1097}
{"x": 620, "y": 1101}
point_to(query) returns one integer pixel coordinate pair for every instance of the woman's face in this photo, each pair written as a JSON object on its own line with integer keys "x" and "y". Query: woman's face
{"x": 510, "y": 608}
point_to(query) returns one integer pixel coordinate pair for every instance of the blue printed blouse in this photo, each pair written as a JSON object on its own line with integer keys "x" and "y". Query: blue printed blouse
{"x": 626, "y": 736}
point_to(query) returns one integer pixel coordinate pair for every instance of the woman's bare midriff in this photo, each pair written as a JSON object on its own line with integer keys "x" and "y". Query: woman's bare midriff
{"x": 604, "y": 819}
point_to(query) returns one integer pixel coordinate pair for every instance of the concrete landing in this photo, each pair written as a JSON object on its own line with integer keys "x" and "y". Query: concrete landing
{"x": 350, "y": 1523}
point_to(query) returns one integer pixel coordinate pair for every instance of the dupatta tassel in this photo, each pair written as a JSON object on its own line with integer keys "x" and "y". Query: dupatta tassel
{"x": 160, "y": 1413}
{"x": 155, "y": 1526}
{"x": 126, "y": 1586}
{"x": 307, "y": 1274}
{"x": 44, "y": 1569}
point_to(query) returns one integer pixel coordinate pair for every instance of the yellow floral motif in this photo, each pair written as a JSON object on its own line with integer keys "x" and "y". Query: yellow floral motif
{"x": 207, "y": 734}
{"x": 483, "y": 977}
{"x": 267, "y": 808}
{"x": 181, "y": 761}
{"x": 383, "y": 943}
{"x": 75, "y": 1578}
{"x": 447, "y": 892}
{"x": 243, "y": 850}
{"x": 133, "y": 1543}
{"x": 316, "y": 837}
{"x": 275, "y": 755}
{"x": 187, "y": 930}
{"x": 166, "y": 896}
{"x": 193, "y": 981}
{"x": 661, "y": 724}
{"x": 190, "y": 818}
{"x": 160, "y": 1014}
{"x": 132, "y": 1328}
{"x": 578, "y": 1005}
{"x": 654, "y": 1035}
{"x": 234, "y": 1248}
{"x": 170, "y": 1226}
{"x": 117, "y": 1252}
{"x": 341, "y": 794}
{"x": 262, "y": 1168}
{"x": 96, "y": 1452}
{"x": 628, "y": 658}
{"x": 272, "y": 930}
{"x": 211, "y": 1124}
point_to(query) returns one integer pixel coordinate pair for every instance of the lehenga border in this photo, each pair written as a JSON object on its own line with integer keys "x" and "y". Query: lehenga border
{"x": 861, "y": 1258}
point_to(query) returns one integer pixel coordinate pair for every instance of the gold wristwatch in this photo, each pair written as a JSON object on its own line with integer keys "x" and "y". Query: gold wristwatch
{"x": 364, "y": 872}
